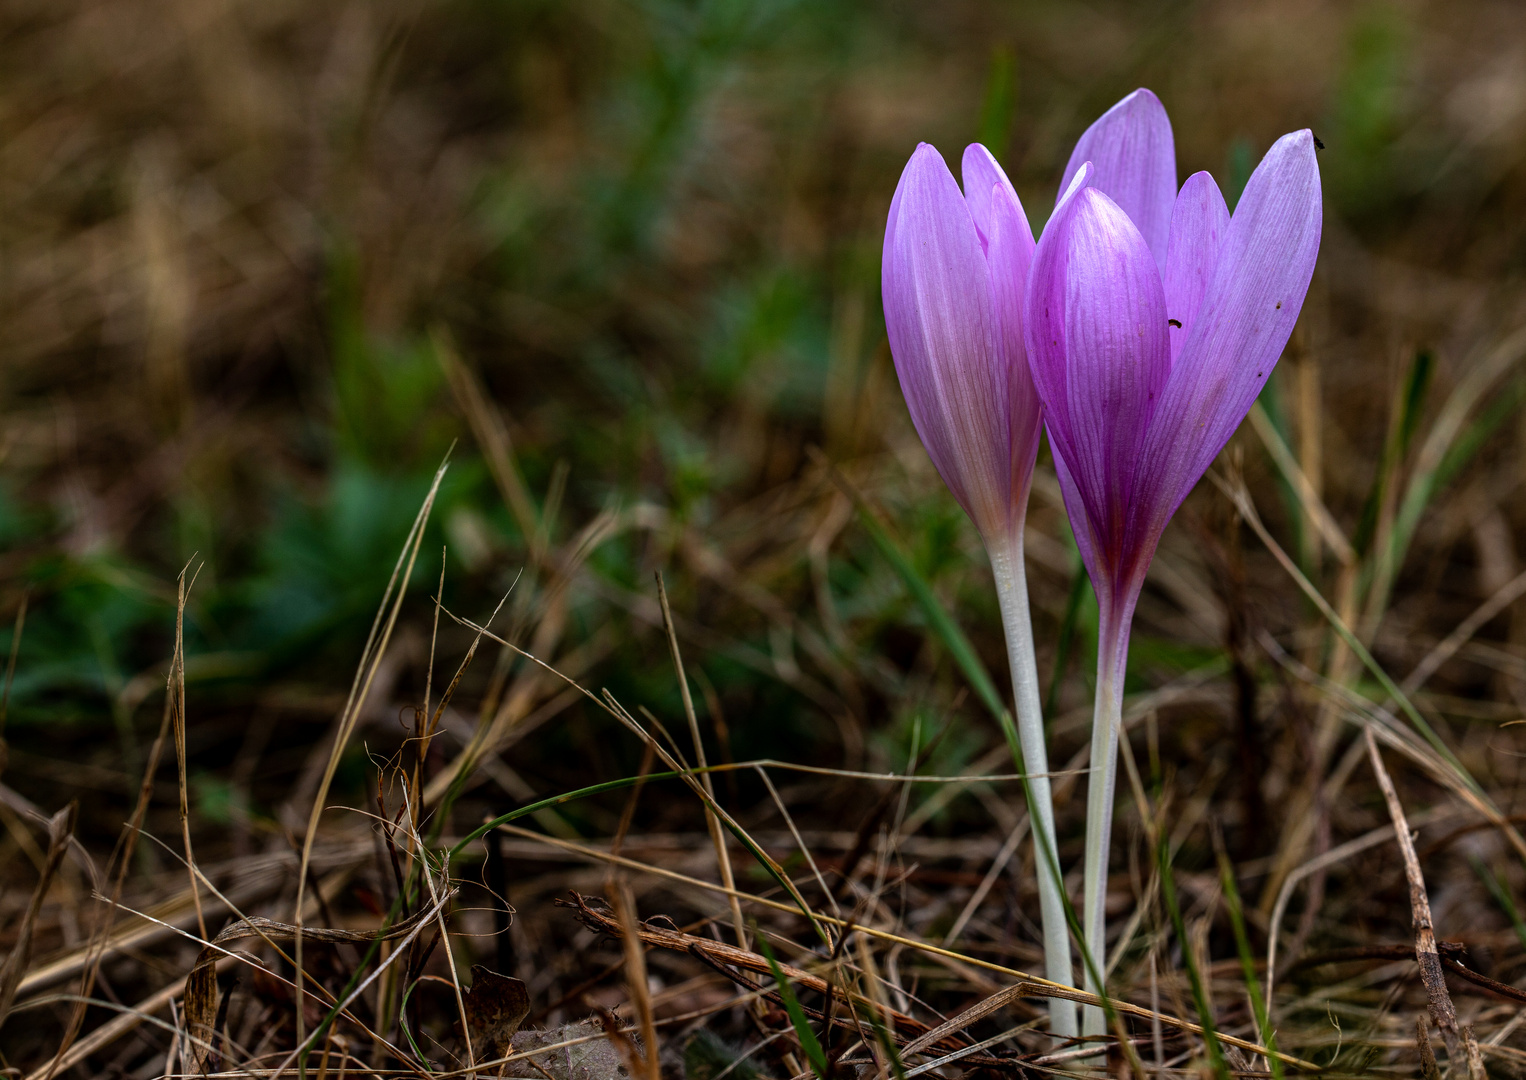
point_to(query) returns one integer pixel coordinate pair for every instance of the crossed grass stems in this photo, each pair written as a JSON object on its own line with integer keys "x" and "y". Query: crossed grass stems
{"x": 856, "y": 994}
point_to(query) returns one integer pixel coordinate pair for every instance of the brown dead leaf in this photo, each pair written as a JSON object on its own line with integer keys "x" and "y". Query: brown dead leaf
{"x": 495, "y": 1007}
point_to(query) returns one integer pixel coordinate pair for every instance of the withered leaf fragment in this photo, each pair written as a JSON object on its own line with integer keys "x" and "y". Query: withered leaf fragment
{"x": 495, "y": 1007}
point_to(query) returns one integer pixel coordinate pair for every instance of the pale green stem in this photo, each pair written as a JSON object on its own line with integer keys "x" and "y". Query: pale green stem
{"x": 1012, "y": 595}
{"x": 1107, "y": 722}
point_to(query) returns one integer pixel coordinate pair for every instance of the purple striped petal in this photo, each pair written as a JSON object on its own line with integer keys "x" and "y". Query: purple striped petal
{"x": 939, "y": 316}
{"x": 1047, "y": 366}
{"x": 1083, "y": 179}
{"x": 1246, "y": 317}
{"x": 981, "y": 172}
{"x": 1098, "y": 348}
{"x": 1077, "y": 512}
{"x": 1199, "y": 223}
{"x": 1010, "y": 255}
{"x": 1135, "y": 157}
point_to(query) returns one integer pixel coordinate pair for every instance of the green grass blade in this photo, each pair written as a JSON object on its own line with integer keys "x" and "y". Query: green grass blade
{"x": 887, "y": 1044}
{"x": 1450, "y": 444}
{"x": 555, "y": 800}
{"x": 1079, "y": 583}
{"x": 938, "y": 618}
{"x": 1000, "y": 101}
{"x": 1241, "y": 499}
{"x": 1199, "y": 992}
{"x": 774, "y": 870}
{"x": 1248, "y": 964}
{"x": 1473, "y": 437}
{"x": 1501, "y": 896}
{"x": 1270, "y": 403}
{"x": 944, "y": 626}
{"x": 402, "y": 1022}
{"x": 808, "y": 1041}
{"x": 1401, "y": 429}
{"x": 1412, "y": 401}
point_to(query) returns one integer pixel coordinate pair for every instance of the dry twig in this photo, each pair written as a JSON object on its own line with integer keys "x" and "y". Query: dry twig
{"x": 1442, "y": 1009}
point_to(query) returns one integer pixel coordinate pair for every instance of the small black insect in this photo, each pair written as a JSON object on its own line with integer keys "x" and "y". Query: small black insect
{"x": 1175, "y": 322}
{"x": 1317, "y": 144}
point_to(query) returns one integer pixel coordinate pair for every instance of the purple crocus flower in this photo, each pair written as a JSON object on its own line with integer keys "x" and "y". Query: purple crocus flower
{"x": 955, "y": 274}
{"x": 955, "y": 278}
{"x": 1153, "y": 319}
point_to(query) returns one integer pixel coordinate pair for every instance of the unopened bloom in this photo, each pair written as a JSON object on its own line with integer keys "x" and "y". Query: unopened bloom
{"x": 955, "y": 279}
{"x": 955, "y": 274}
{"x": 1153, "y": 320}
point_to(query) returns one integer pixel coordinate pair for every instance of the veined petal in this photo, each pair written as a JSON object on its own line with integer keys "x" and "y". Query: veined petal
{"x": 1047, "y": 365}
{"x": 1097, "y": 345}
{"x": 981, "y": 172}
{"x": 1082, "y": 179}
{"x": 1135, "y": 157}
{"x": 1076, "y": 510}
{"x": 1199, "y": 223}
{"x": 938, "y": 314}
{"x": 1010, "y": 256}
{"x": 1246, "y": 317}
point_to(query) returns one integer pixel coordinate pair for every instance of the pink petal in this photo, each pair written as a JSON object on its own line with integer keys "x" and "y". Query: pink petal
{"x": 938, "y": 314}
{"x": 981, "y": 173}
{"x": 1010, "y": 255}
{"x": 1135, "y": 157}
{"x": 1098, "y": 349}
{"x": 1246, "y": 317}
{"x": 1199, "y": 223}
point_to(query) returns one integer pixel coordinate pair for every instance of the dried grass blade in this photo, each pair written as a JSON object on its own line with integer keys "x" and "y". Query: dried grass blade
{"x": 1035, "y": 986}
{"x": 60, "y": 832}
{"x": 200, "y": 986}
{"x": 1313, "y": 506}
{"x": 176, "y": 690}
{"x": 492, "y": 436}
{"x": 1503, "y": 597}
{"x": 712, "y": 823}
{"x": 1435, "y": 450}
{"x": 365, "y": 672}
{"x": 1241, "y": 498}
{"x": 110, "y": 1031}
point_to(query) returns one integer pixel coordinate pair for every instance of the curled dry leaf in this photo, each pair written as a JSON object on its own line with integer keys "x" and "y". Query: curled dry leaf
{"x": 495, "y": 1007}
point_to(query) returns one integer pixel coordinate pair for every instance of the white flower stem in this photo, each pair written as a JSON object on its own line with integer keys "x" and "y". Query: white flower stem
{"x": 1107, "y": 721}
{"x": 1012, "y": 595}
